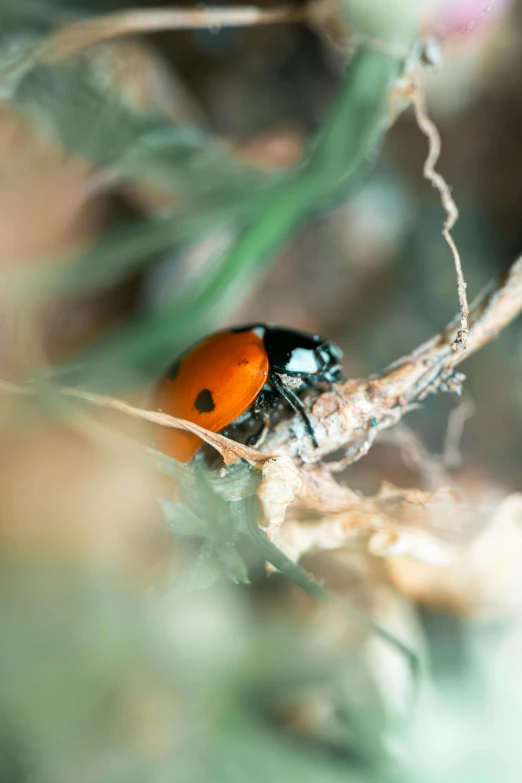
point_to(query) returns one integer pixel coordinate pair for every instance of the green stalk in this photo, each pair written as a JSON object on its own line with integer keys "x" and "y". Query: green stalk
{"x": 341, "y": 150}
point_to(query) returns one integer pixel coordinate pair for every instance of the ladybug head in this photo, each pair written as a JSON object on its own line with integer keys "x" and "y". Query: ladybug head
{"x": 330, "y": 356}
{"x": 298, "y": 353}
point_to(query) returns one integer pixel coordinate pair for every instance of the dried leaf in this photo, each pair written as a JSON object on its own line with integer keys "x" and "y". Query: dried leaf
{"x": 485, "y": 579}
{"x": 425, "y": 525}
{"x": 279, "y": 487}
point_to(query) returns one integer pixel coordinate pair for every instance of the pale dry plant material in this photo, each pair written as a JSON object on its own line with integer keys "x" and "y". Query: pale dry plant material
{"x": 430, "y": 526}
{"x": 351, "y": 415}
{"x": 456, "y": 421}
{"x": 326, "y": 16}
{"x": 416, "y": 457}
{"x": 431, "y": 132}
{"x": 472, "y": 569}
{"x": 485, "y": 581}
{"x": 229, "y": 449}
{"x": 393, "y": 522}
{"x": 297, "y": 486}
{"x": 281, "y": 484}
{"x": 75, "y": 38}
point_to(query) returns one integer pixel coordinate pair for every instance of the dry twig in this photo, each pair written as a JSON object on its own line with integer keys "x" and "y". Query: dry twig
{"x": 457, "y": 419}
{"x": 395, "y": 521}
{"x": 229, "y": 449}
{"x": 431, "y": 132}
{"x": 75, "y": 38}
{"x": 415, "y": 456}
{"x": 351, "y": 416}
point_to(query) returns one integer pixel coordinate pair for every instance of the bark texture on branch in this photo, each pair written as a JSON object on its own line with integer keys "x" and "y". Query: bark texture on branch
{"x": 351, "y": 416}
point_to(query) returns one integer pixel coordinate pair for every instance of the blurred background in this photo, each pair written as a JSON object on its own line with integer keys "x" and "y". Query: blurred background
{"x": 134, "y": 177}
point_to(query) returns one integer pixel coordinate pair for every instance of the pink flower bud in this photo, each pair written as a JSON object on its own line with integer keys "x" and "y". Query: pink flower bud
{"x": 453, "y": 17}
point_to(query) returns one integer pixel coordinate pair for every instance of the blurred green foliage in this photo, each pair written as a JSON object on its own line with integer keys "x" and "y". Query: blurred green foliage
{"x": 80, "y": 653}
{"x": 222, "y": 512}
{"x": 213, "y": 189}
{"x": 101, "y": 681}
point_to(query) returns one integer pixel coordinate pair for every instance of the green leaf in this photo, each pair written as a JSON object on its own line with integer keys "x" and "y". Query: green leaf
{"x": 74, "y": 102}
{"x": 261, "y": 755}
{"x": 221, "y": 524}
{"x": 350, "y": 134}
{"x": 29, "y": 15}
{"x": 240, "y": 481}
{"x": 77, "y": 103}
{"x": 204, "y": 569}
{"x": 231, "y": 563}
{"x": 208, "y": 516}
{"x": 183, "y": 521}
{"x": 213, "y": 561}
{"x": 171, "y": 467}
{"x": 247, "y": 520}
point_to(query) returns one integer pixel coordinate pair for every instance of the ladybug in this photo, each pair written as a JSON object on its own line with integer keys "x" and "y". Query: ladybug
{"x": 239, "y": 373}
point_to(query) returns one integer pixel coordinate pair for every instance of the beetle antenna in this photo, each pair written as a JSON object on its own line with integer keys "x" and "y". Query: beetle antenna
{"x": 293, "y": 400}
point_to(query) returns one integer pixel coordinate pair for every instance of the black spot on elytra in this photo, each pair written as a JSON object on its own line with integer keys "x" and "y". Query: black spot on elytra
{"x": 204, "y": 402}
{"x": 173, "y": 370}
{"x": 243, "y": 361}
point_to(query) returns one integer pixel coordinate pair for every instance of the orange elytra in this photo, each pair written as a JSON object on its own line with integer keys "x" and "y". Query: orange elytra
{"x": 244, "y": 370}
{"x": 211, "y": 385}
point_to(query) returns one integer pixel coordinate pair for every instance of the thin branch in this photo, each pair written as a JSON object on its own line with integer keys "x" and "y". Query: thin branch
{"x": 431, "y": 132}
{"x": 77, "y": 37}
{"x": 457, "y": 419}
{"x": 415, "y": 456}
{"x": 351, "y": 416}
{"x": 229, "y": 449}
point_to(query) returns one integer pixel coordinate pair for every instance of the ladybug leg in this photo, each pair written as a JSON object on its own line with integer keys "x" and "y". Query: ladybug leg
{"x": 257, "y": 438}
{"x": 318, "y": 384}
{"x": 294, "y": 401}
{"x": 261, "y": 411}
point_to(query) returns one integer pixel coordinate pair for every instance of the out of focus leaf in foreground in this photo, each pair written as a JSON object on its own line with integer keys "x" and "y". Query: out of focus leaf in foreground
{"x": 336, "y": 159}
{"x": 213, "y": 190}
{"x": 99, "y": 683}
{"x": 221, "y": 524}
